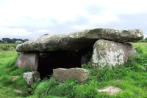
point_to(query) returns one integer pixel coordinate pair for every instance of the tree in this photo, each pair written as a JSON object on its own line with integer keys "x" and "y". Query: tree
{"x": 14, "y": 40}
{"x": 6, "y": 40}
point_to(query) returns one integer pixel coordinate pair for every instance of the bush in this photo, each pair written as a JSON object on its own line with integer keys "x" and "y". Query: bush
{"x": 6, "y": 47}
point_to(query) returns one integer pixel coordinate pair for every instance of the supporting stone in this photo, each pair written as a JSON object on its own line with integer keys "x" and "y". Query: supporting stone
{"x": 27, "y": 60}
{"x": 63, "y": 74}
{"x": 111, "y": 53}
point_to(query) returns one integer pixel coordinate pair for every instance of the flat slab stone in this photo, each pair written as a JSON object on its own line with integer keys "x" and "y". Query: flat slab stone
{"x": 78, "y": 40}
{"x": 110, "y": 53}
{"x": 63, "y": 74}
{"x": 111, "y": 90}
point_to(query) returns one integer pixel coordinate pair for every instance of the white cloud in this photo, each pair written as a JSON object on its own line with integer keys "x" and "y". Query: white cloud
{"x": 14, "y": 32}
{"x": 46, "y": 15}
{"x": 145, "y": 35}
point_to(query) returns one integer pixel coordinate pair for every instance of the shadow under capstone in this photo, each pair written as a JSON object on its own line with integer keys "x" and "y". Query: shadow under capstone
{"x": 61, "y": 59}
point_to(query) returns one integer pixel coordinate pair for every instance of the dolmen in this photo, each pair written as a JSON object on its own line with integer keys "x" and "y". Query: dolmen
{"x": 100, "y": 46}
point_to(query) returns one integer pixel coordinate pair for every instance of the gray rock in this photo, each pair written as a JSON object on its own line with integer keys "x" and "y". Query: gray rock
{"x": 63, "y": 74}
{"x": 78, "y": 40}
{"x": 111, "y": 90}
{"x": 30, "y": 77}
{"x": 111, "y": 53}
{"x": 27, "y": 60}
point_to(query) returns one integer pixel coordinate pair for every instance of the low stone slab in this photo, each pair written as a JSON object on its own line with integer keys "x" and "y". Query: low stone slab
{"x": 111, "y": 90}
{"x": 111, "y": 53}
{"x": 27, "y": 60}
{"x": 63, "y": 74}
{"x": 78, "y": 40}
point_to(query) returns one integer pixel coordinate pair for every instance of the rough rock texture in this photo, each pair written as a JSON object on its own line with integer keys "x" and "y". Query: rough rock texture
{"x": 111, "y": 53}
{"x": 30, "y": 77}
{"x": 78, "y": 40}
{"x": 111, "y": 90}
{"x": 28, "y": 60}
{"x": 63, "y": 74}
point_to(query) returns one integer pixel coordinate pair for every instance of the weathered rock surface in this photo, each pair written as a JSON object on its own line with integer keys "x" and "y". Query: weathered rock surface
{"x": 30, "y": 77}
{"x": 78, "y": 40}
{"x": 111, "y": 53}
{"x": 27, "y": 60}
{"x": 63, "y": 74}
{"x": 111, "y": 90}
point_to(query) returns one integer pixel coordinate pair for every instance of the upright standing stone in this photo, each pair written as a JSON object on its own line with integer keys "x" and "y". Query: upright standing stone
{"x": 111, "y": 53}
{"x": 27, "y": 60}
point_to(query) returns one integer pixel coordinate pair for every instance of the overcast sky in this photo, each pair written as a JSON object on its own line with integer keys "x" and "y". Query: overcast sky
{"x": 32, "y": 18}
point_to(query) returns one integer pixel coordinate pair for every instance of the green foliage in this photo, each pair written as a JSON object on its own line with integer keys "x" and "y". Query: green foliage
{"x": 53, "y": 87}
{"x": 139, "y": 50}
{"x": 144, "y": 40}
{"x": 8, "y": 70}
{"x": 7, "y": 47}
{"x": 63, "y": 89}
{"x": 88, "y": 90}
{"x": 43, "y": 88}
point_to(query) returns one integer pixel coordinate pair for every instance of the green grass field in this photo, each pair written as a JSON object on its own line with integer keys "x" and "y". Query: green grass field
{"x": 131, "y": 78}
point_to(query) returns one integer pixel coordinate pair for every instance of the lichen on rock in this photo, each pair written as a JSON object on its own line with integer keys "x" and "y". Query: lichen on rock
{"x": 78, "y": 40}
{"x": 111, "y": 53}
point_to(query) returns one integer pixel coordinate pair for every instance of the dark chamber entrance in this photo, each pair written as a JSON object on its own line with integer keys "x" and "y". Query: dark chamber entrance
{"x": 58, "y": 59}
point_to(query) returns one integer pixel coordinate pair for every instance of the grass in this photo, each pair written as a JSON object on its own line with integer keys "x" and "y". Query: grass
{"x": 7, "y": 47}
{"x": 7, "y": 71}
{"x": 131, "y": 78}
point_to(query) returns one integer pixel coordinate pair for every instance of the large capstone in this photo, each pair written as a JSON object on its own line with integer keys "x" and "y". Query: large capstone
{"x": 111, "y": 53}
{"x": 63, "y": 74}
{"x": 78, "y": 40}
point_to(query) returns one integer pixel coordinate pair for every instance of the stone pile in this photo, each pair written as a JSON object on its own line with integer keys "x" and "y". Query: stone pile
{"x": 102, "y": 47}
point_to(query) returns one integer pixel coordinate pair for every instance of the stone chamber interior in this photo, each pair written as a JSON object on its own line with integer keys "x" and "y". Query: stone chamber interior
{"x": 59, "y": 59}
